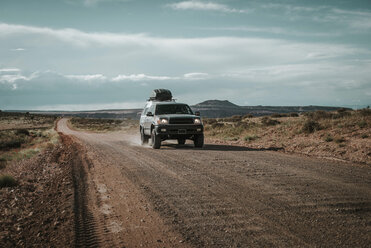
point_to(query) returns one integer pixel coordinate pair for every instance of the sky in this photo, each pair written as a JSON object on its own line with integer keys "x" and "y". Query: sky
{"x": 111, "y": 54}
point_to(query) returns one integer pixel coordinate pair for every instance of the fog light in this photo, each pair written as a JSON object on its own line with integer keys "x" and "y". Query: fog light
{"x": 198, "y": 129}
{"x": 163, "y": 129}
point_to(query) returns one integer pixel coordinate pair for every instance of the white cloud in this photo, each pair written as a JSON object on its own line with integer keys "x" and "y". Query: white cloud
{"x": 7, "y": 70}
{"x": 292, "y": 8}
{"x": 87, "y": 77}
{"x": 11, "y": 78}
{"x": 143, "y": 77}
{"x": 353, "y": 20}
{"x": 74, "y": 36}
{"x": 210, "y": 50}
{"x": 335, "y": 75}
{"x": 91, "y": 3}
{"x": 196, "y": 76}
{"x": 87, "y": 107}
{"x": 18, "y": 49}
{"x": 140, "y": 77}
{"x": 198, "y": 5}
{"x": 275, "y": 30}
{"x": 11, "y": 75}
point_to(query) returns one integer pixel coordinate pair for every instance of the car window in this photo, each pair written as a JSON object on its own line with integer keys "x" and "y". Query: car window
{"x": 145, "y": 110}
{"x": 165, "y": 109}
{"x": 152, "y": 109}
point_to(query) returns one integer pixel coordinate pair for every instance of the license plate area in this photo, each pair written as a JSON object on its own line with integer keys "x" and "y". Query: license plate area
{"x": 182, "y": 131}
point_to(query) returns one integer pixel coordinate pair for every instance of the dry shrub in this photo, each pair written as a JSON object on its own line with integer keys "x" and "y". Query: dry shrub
{"x": 279, "y": 115}
{"x": 2, "y": 163}
{"x": 339, "y": 140}
{"x": 293, "y": 114}
{"x": 266, "y": 121}
{"x": 251, "y": 137}
{"x": 362, "y": 124}
{"x": 234, "y": 118}
{"x": 342, "y": 110}
{"x": 209, "y": 121}
{"x": 310, "y": 126}
{"x": 11, "y": 140}
{"x": 49, "y": 146}
{"x": 243, "y": 124}
{"x": 319, "y": 114}
{"x": 23, "y": 131}
{"x": 342, "y": 114}
{"x": 7, "y": 181}
{"x": 231, "y": 131}
{"x": 364, "y": 112}
{"x": 217, "y": 125}
{"x": 247, "y": 116}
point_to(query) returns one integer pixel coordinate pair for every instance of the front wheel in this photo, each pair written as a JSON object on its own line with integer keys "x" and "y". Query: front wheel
{"x": 181, "y": 141}
{"x": 143, "y": 137}
{"x": 156, "y": 140}
{"x": 199, "y": 140}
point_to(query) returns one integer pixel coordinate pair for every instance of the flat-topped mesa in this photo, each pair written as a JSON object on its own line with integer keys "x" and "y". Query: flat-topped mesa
{"x": 216, "y": 103}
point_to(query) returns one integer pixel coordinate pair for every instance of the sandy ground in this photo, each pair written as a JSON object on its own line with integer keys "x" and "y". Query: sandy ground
{"x": 218, "y": 196}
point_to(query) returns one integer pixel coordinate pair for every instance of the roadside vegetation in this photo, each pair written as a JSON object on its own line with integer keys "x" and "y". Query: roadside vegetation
{"x": 22, "y": 136}
{"x": 343, "y": 134}
{"x": 14, "y": 120}
{"x": 102, "y": 125}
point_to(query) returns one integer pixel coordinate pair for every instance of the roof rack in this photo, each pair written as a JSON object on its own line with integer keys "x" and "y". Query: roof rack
{"x": 156, "y": 100}
{"x": 161, "y": 95}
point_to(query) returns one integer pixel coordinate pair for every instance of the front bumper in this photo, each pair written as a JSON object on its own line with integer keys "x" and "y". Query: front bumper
{"x": 176, "y": 130}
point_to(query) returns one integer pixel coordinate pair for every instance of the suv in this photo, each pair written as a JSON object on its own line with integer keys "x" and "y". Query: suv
{"x": 163, "y": 118}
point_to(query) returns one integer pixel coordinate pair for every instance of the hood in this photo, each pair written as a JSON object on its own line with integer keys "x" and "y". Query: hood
{"x": 177, "y": 116}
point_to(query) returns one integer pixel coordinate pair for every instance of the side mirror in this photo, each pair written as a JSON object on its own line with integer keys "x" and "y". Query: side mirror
{"x": 197, "y": 113}
{"x": 149, "y": 114}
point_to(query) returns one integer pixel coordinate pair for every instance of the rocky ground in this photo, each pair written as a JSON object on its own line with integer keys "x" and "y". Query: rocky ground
{"x": 38, "y": 211}
{"x": 335, "y": 136}
{"x": 105, "y": 190}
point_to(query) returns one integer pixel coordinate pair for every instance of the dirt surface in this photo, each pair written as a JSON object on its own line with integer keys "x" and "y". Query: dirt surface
{"x": 218, "y": 196}
{"x": 38, "y": 211}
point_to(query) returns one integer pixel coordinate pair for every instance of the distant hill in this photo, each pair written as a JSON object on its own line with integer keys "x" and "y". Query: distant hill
{"x": 209, "y": 109}
{"x": 224, "y": 108}
{"x": 216, "y": 104}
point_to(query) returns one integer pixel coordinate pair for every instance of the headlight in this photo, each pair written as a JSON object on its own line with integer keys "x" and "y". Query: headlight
{"x": 162, "y": 121}
{"x": 197, "y": 121}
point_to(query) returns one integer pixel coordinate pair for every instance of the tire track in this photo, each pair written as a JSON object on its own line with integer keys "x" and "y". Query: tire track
{"x": 222, "y": 196}
{"x": 84, "y": 224}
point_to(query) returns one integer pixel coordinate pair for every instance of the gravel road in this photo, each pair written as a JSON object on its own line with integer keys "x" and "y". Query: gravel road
{"x": 220, "y": 196}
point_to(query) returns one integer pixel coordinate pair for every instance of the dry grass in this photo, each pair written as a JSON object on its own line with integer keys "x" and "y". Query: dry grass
{"x": 102, "y": 125}
{"x": 342, "y": 134}
{"x": 18, "y": 142}
{"x": 10, "y": 120}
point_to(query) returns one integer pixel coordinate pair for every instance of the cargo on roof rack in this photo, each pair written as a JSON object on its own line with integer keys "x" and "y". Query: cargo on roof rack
{"x": 161, "y": 95}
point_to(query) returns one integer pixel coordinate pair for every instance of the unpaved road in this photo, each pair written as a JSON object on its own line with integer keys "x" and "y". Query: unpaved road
{"x": 219, "y": 196}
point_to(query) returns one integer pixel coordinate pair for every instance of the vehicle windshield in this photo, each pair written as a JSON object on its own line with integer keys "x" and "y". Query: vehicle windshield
{"x": 167, "y": 109}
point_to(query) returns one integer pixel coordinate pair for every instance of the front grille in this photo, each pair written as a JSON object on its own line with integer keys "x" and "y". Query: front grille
{"x": 181, "y": 121}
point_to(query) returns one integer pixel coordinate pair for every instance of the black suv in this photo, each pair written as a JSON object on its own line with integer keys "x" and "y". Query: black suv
{"x": 163, "y": 119}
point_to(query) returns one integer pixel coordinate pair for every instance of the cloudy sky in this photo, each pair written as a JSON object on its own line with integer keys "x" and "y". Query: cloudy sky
{"x": 99, "y": 54}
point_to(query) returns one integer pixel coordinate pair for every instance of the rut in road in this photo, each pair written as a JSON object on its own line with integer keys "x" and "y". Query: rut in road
{"x": 223, "y": 196}
{"x": 84, "y": 222}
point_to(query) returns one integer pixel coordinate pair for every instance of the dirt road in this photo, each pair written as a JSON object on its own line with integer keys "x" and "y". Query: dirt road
{"x": 219, "y": 196}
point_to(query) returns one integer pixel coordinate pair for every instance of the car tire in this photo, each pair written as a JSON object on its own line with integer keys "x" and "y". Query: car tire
{"x": 181, "y": 141}
{"x": 143, "y": 138}
{"x": 156, "y": 140}
{"x": 199, "y": 140}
